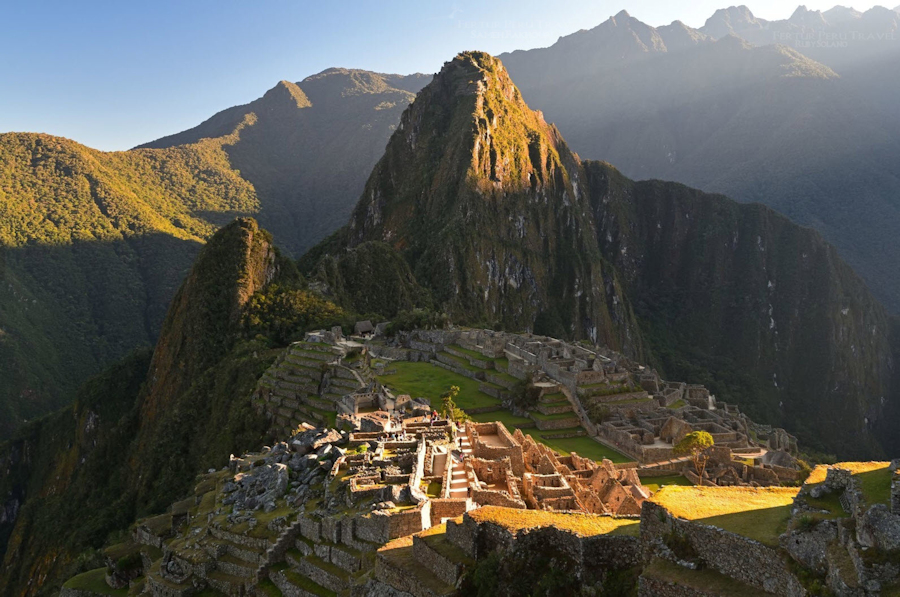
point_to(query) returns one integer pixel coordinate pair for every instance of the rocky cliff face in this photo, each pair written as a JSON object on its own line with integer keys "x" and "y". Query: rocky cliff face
{"x": 505, "y": 225}
{"x": 469, "y": 158}
{"x": 138, "y": 434}
{"x": 742, "y": 292}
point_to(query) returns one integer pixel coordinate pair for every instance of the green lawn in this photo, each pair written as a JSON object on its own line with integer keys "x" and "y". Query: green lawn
{"x": 510, "y": 420}
{"x": 654, "y": 483}
{"x": 583, "y": 446}
{"x": 556, "y": 417}
{"x": 472, "y": 353}
{"x": 876, "y": 485}
{"x": 94, "y": 581}
{"x": 760, "y": 513}
{"x": 430, "y": 381}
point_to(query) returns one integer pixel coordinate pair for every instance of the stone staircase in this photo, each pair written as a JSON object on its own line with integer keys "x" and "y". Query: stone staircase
{"x": 459, "y": 485}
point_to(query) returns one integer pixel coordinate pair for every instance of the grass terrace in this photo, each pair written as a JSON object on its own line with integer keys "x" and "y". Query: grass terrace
{"x": 430, "y": 381}
{"x": 585, "y": 525}
{"x": 472, "y": 353}
{"x": 510, "y": 420}
{"x": 759, "y": 513}
{"x": 874, "y": 479}
{"x": 584, "y": 446}
{"x": 657, "y": 483}
{"x": 95, "y": 582}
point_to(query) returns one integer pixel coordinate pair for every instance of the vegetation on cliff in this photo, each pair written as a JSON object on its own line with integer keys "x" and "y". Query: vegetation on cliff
{"x": 93, "y": 245}
{"x": 138, "y": 434}
{"x": 92, "y": 248}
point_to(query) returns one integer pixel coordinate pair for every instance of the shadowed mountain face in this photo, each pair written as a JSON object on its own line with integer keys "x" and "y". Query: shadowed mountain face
{"x": 759, "y": 123}
{"x": 311, "y": 147}
{"x": 93, "y": 245}
{"x": 135, "y": 437}
{"x": 505, "y": 225}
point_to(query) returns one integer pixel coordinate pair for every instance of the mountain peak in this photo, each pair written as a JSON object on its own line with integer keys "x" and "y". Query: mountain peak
{"x": 285, "y": 91}
{"x": 729, "y": 20}
{"x": 476, "y": 190}
{"x": 840, "y": 14}
{"x": 807, "y": 18}
{"x": 472, "y": 73}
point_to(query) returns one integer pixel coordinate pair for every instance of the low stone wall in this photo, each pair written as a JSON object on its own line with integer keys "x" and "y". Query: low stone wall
{"x": 447, "y": 508}
{"x": 589, "y": 376}
{"x": 499, "y": 380}
{"x": 407, "y": 522}
{"x": 551, "y": 424}
{"x": 740, "y": 558}
{"x": 895, "y": 493}
{"x": 654, "y": 587}
{"x": 446, "y": 570}
{"x": 490, "y": 497}
{"x": 160, "y": 589}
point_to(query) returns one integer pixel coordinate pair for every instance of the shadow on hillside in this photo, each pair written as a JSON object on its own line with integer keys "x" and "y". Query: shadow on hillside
{"x": 761, "y": 525}
{"x": 67, "y": 311}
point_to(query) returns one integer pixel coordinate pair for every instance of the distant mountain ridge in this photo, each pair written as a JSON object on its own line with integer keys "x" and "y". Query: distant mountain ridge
{"x": 311, "y": 147}
{"x": 760, "y": 123}
{"x": 840, "y": 37}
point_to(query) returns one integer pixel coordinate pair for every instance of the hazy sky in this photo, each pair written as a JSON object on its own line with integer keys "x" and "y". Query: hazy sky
{"x": 114, "y": 74}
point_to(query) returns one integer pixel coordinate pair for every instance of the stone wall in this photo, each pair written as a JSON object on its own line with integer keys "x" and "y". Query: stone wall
{"x": 740, "y": 558}
{"x": 592, "y": 556}
{"x": 895, "y": 493}
{"x": 447, "y": 508}
{"x": 510, "y": 448}
{"x": 654, "y": 587}
{"x": 447, "y": 570}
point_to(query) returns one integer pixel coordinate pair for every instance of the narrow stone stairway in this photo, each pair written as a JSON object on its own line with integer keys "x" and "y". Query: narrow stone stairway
{"x": 459, "y": 486}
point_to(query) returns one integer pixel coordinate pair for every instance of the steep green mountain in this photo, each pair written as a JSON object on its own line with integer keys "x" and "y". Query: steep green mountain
{"x": 470, "y": 156}
{"x": 137, "y": 435}
{"x": 92, "y": 248}
{"x": 761, "y": 123}
{"x": 505, "y": 225}
{"x": 311, "y": 148}
{"x": 93, "y": 245}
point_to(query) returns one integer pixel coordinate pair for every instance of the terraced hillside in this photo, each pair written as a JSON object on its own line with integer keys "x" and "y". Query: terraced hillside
{"x": 306, "y": 384}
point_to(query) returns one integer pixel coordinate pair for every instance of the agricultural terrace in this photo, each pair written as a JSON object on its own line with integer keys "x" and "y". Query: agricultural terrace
{"x": 585, "y": 525}
{"x": 759, "y": 513}
{"x": 874, "y": 479}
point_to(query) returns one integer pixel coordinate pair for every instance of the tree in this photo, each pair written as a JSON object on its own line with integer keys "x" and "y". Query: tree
{"x": 695, "y": 444}
{"x": 449, "y": 408}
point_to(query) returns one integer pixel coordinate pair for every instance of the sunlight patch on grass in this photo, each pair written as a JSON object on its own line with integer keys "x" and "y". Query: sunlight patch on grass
{"x": 585, "y": 525}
